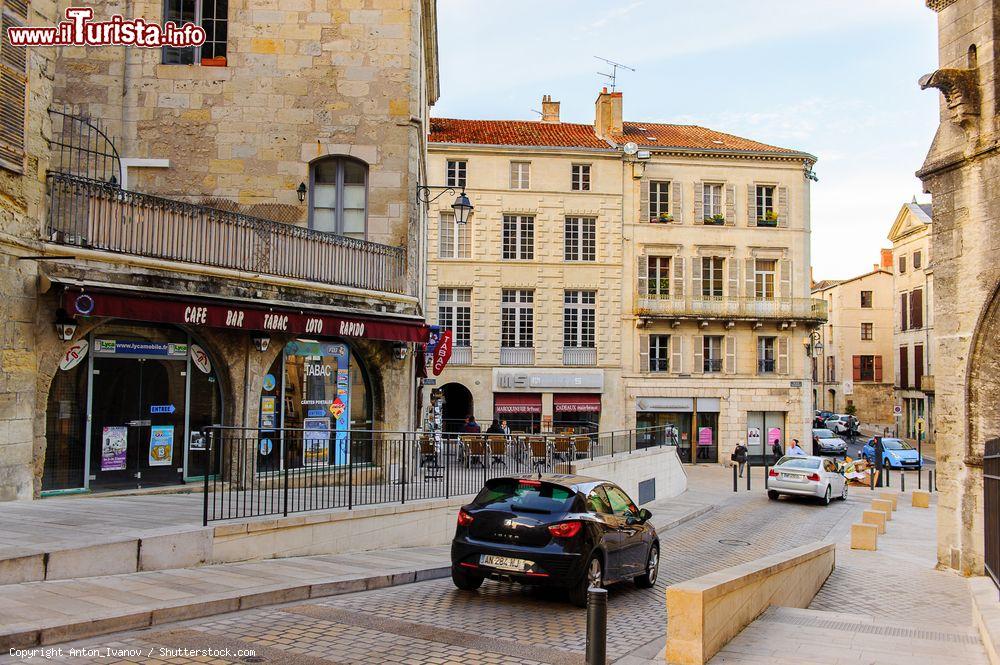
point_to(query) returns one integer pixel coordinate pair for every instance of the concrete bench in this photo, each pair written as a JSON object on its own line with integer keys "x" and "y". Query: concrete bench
{"x": 864, "y": 537}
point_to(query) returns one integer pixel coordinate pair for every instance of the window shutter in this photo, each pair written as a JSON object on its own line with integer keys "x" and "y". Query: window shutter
{"x": 730, "y": 354}
{"x": 857, "y": 368}
{"x": 917, "y": 308}
{"x": 13, "y": 90}
{"x": 783, "y": 207}
{"x": 643, "y": 353}
{"x": 678, "y": 262}
{"x": 699, "y": 200}
{"x": 642, "y": 276}
{"x": 751, "y": 205}
{"x": 782, "y": 355}
{"x": 644, "y": 200}
{"x": 696, "y": 278}
{"x": 699, "y": 354}
{"x": 878, "y": 369}
{"x": 903, "y": 310}
{"x": 734, "y": 277}
{"x": 749, "y": 277}
{"x": 677, "y": 202}
{"x": 676, "y": 354}
{"x": 730, "y": 205}
{"x": 785, "y": 278}
{"x": 918, "y": 364}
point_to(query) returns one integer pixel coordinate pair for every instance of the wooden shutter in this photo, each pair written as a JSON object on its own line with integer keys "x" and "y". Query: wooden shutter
{"x": 730, "y": 205}
{"x": 783, "y": 355}
{"x": 918, "y": 364}
{"x": 734, "y": 277}
{"x": 677, "y": 202}
{"x": 904, "y": 308}
{"x": 644, "y": 200}
{"x": 904, "y": 367}
{"x": 783, "y": 207}
{"x": 857, "y": 368}
{"x": 643, "y": 353}
{"x": 676, "y": 354}
{"x": 730, "y": 354}
{"x": 751, "y": 205}
{"x": 696, "y": 277}
{"x": 678, "y": 290}
{"x": 749, "y": 287}
{"x": 699, "y": 201}
{"x": 917, "y": 308}
{"x": 699, "y": 354}
{"x": 785, "y": 278}
{"x": 642, "y": 275}
{"x": 13, "y": 88}
{"x": 878, "y": 369}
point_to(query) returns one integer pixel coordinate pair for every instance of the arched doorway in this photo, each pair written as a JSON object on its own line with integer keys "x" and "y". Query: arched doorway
{"x": 983, "y": 410}
{"x": 457, "y": 405}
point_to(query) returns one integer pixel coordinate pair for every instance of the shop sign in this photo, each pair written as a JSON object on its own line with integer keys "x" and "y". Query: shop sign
{"x": 124, "y": 347}
{"x": 269, "y": 382}
{"x": 682, "y": 404}
{"x": 510, "y": 380}
{"x": 200, "y": 359}
{"x": 161, "y": 445}
{"x": 114, "y": 443}
{"x": 442, "y": 354}
{"x": 162, "y": 408}
{"x": 74, "y": 354}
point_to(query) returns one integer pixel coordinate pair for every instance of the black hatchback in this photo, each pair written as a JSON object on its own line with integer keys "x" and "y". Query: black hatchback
{"x": 554, "y": 530}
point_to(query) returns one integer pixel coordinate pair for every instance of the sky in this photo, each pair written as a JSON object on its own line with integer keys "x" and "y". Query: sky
{"x": 832, "y": 78}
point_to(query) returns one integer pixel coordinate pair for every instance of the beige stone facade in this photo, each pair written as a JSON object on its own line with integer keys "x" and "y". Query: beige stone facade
{"x": 334, "y": 97}
{"x": 913, "y": 320}
{"x": 962, "y": 173}
{"x": 857, "y": 366}
{"x": 670, "y": 281}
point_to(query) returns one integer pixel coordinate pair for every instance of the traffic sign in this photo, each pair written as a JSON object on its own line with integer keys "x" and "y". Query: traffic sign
{"x": 897, "y": 410}
{"x": 920, "y": 423}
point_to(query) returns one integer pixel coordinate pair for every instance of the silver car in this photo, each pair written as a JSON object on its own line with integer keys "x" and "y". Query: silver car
{"x": 826, "y": 442}
{"x": 810, "y": 475}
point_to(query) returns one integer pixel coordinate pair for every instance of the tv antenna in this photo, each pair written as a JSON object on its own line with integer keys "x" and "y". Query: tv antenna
{"x": 612, "y": 77}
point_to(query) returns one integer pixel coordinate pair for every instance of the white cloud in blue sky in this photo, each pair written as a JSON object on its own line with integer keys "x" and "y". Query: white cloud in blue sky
{"x": 833, "y": 78}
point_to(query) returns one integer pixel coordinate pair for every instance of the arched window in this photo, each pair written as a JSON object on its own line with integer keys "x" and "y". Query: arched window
{"x": 973, "y": 58}
{"x": 338, "y": 197}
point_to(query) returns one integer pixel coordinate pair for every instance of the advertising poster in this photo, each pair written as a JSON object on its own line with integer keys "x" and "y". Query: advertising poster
{"x": 161, "y": 445}
{"x": 341, "y": 407}
{"x": 773, "y": 434}
{"x": 753, "y": 437}
{"x": 316, "y": 442}
{"x": 114, "y": 443}
{"x": 704, "y": 436}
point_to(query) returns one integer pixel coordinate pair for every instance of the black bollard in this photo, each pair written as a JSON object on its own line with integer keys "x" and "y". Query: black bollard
{"x": 765, "y": 472}
{"x": 749, "y": 471}
{"x": 871, "y": 479}
{"x": 735, "y": 487}
{"x": 902, "y": 480}
{"x": 888, "y": 477}
{"x": 597, "y": 626}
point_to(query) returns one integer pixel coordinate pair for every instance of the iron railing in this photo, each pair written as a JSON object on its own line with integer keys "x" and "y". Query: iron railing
{"x": 578, "y": 355}
{"x": 252, "y": 473}
{"x": 725, "y": 307}
{"x": 102, "y": 216}
{"x": 461, "y": 355}
{"x": 991, "y": 509}
{"x": 517, "y": 355}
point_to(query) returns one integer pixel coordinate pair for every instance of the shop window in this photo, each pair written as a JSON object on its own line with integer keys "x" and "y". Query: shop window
{"x": 338, "y": 198}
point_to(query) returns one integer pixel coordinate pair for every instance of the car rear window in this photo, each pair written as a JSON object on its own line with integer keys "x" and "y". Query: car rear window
{"x": 896, "y": 444}
{"x": 524, "y": 494}
{"x": 798, "y": 463}
{"x": 824, "y": 434}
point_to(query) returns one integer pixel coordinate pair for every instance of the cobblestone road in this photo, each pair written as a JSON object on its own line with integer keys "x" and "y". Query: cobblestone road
{"x": 432, "y": 622}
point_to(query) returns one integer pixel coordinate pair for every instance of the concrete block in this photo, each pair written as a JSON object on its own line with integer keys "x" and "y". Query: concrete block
{"x": 29, "y": 568}
{"x": 884, "y": 506}
{"x": 104, "y": 559}
{"x": 920, "y": 499}
{"x": 876, "y": 518}
{"x": 177, "y": 550}
{"x": 864, "y": 537}
{"x": 891, "y": 497}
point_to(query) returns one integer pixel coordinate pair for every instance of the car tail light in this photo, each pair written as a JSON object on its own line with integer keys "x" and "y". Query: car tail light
{"x": 813, "y": 477}
{"x": 464, "y": 518}
{"x": 565, "y": 530}
{"x": 772, "y": 473}
{"x": 532, "y": 483}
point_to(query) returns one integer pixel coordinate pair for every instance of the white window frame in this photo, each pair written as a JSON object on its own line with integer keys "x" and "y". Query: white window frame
{"x": 580, "y": 180}
{"x": 766, "y": 351}
{"x": 455, "y": 240}
{"x": 711, "y": 199}
{"x": 765, "y": 280}
{"x": 658, "y": 276}
{"x": 455, "y": 314}
{"x": 517, "y": 318}
{"x": 659, "y": 353}
{"x": 518, "y": 238}
{"x": 713, "y": 281}
{"x": 580, "y": 239}
{"x": 659, "y": 198}
{"x": 456, "y": 173}
{"x": 711, "y": 347}
{"x": 580, "y": 319}
{"x": 520, "y": 175}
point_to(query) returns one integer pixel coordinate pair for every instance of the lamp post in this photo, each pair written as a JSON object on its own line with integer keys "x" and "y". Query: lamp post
{"x": 462, "y": 206}
{"x": 814, "y": 349}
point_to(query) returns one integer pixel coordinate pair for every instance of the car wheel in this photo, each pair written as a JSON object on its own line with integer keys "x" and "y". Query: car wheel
{"x": 843, "y": 495}
{"x": 772, "y": 495}
{"x": 593, "y": 576}
{"x": 648, "y": 579}
{"x": 466, "y": 581}
{"x": 826, "y": 496}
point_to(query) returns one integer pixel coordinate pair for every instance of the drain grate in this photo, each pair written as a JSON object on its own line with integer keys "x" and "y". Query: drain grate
{"x": 734, "y": 542}
{"x": 873, "y": 629}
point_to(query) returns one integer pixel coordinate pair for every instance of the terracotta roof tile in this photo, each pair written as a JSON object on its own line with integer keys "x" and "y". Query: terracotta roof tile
{"x": 652, "y": 135}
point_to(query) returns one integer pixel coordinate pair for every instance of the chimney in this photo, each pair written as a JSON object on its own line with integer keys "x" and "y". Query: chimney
{"x": 608, "y": 114}
{"x": 887, "y": 259}
{"x": 550, "y": 109}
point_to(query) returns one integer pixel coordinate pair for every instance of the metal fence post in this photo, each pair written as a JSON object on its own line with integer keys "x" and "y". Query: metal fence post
{"x": 207, "y": 468}
{"x": 597, "y": 626}
{"x": 765, "y": 471}
{"x": 749, "y": 471}
{"x": 402, "y": 477}
{"x": 286, "y": 465}
{"x": 350, "y": 472}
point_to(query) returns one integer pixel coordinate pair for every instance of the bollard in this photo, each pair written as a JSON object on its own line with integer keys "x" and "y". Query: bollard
{"x": 902, "y": 481}
{"x": 749, "y": 472}
{"x": 932, "y": 483}
{"x": 871, "y": 479}
{"x": 888, "y": 476}
{"x": 735, "y": 484}
{"x": 597, "y": 626}
{"x": 765, "y": 472}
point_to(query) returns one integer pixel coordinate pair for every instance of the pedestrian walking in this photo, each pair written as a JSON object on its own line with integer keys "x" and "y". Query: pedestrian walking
{"x": 776, "y": 450}
{"x": 740, "y": 456}
{"x": 796, "y": 449}
{"x": 471, "y": 426}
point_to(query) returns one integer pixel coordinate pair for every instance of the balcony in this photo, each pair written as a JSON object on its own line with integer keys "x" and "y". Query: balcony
{"x": 579, "y": 356}
{"x": 927, "y": 383}
{"x": 461, "y": 355}
{"x": 519, "y": 355}
{"x": 95, "y": 215}
{"x": 723, "y": 307}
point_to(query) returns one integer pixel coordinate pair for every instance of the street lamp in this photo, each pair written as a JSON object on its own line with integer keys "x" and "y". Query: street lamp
{"x": 65, "y": 326}
{"x": 301, "y": 191}
{"x": 815, "y": 347}
{"x": 462, "y": 206}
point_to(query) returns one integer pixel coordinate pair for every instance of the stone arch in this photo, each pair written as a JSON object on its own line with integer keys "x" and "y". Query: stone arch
{"x": 982, "y": 410}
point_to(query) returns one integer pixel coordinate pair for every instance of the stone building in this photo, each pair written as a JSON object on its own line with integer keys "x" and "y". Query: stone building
{"x": 665, "y": 282}
{"x": 233, "y": 231}
{"x": 913, "y": 327}
{"x": 962, "y": 173}
{"x": 857, "y": 364}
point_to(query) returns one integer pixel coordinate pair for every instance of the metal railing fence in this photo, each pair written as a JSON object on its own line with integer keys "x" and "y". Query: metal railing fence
{"x": 991, "y": 508}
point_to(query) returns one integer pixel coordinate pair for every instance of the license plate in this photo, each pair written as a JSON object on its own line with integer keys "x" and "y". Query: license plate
{"x": 505, "y": 562}
{"x": 791, "y": 476}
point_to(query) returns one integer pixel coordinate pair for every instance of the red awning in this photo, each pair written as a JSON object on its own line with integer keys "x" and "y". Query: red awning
{"x": 571, "y": 403}
{"x": 238, "y": 316}
{"x": 517, "y": 403}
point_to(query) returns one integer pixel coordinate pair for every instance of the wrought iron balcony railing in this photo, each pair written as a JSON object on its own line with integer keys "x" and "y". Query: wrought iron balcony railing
{"x": 725, "y": 307}
{"x": 102, "y": 216}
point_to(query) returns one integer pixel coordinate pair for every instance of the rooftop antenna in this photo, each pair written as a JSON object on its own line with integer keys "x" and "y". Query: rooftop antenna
{"x": 614, "y": 70}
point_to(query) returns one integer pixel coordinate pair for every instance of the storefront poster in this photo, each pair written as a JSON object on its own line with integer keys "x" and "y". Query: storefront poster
{"x": 114, "y": 443}
{"x": 316, "y": 441}
{"x": 161, "y": 445}
{"x": 267, "y": 405}
{"x": 773, "y": 434}
{"x": 704, "y": 436}
{"x": 753, "y": 437}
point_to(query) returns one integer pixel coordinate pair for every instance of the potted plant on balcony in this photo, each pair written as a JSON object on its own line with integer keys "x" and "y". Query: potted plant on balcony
{"x": 715, "y": 220}
{"x": 662, "y": 218}
{"x": 770, "y": 218}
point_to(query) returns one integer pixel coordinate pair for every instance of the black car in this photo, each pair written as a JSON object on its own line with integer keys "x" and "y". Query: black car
{"x": 819, "y": 420}
{"x": 554, "y": 530}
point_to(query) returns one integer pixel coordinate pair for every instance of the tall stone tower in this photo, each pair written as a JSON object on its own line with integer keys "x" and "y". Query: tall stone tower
{"x": 962, "y": 172}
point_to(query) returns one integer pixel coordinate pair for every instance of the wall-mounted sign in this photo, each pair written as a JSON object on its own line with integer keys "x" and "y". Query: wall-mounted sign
{"x": 269, "y": 382}
{"x": 442, "y": 354}
{"x": 796, "y": 384}
{"x": 200, "y": 359}
{"x": 682, "y": 404}
{"x": 541, "y": 380}
{"x": 73, "y": 354}
{"x": 126, "y": 347}
{"x": 162, "y": 408}
{"x": 161, "y": 445}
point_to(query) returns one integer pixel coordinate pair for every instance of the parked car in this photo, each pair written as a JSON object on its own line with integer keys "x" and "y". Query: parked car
{"x": 826, "y": 442}
{"x": 839, "y": 423}
{"x": 554, "y": 530}
{"x": 896, "y": 454}
{"x": 810, "y": 476}
{"x": 819, "y": 420}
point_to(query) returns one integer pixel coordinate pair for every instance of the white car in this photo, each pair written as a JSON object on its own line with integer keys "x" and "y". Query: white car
{"x": 826, "y": 442}
{"x": 810, "y": 476}
{"x": 839, "y": 424}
